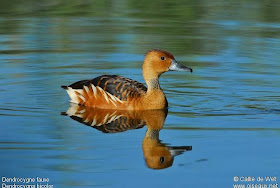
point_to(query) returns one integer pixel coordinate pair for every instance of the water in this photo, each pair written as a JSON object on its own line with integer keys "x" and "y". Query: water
{"x": 227, "y": 110}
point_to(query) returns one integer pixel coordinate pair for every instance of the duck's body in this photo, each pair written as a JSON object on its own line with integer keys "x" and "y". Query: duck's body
{"x": 117, "y": 92}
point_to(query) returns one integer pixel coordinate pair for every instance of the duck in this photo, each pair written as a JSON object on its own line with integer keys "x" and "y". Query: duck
{"x": 118, "y": 92}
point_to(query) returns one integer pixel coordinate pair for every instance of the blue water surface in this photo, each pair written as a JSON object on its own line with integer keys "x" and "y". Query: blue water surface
{"x": 227, "y": 109}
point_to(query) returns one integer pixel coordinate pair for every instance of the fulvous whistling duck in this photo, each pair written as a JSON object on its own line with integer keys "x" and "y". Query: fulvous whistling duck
{"x": 157, "y": 155}
{"x": 117, "y": 92}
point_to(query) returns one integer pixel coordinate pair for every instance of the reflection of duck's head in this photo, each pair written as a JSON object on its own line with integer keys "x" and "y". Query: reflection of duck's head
{"x": 160, "y": 156}
{"x": 157, "y": 155}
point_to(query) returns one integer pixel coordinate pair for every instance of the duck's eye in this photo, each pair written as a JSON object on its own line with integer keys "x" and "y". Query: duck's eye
{"x": 162, "y": 58}
{"x": 161, "y": 159}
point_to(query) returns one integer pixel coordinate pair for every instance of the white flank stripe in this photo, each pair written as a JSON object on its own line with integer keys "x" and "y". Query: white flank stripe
{"x": 82, "y": 97}
{"x": 104, "y": 93}
{"x": 79, "y": 115}
{"x": 93, "y": 122}
{"x": 112, "y": 97}
{"x": 115, "y": 98}
{"x": 93, "y": 89}
{"x": 113, "y": 102}
{"x": 86, "y": 88}
{"x": 99, "y": 124}
{"x": 72, "y": 110}
{"x": 105, "y": 120}
{"x": 82, "y": 111}
{"x": 112, "y": 119}
{"x": 118, "y": 117}
{"x": 72, "y": 95}
{"x": 99, "y": 88}
{"x": 113, "y": 113}
{"x": 79, "y": 91}
{"x": 106, "y": 97}
{"x": 118, "y": 99}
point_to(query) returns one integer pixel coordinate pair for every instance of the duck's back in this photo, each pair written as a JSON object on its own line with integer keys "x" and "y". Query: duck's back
{"x": 106, "y": 91}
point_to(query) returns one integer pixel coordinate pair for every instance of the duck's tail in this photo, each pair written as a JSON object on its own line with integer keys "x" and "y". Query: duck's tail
{"x": 75, "y": 95}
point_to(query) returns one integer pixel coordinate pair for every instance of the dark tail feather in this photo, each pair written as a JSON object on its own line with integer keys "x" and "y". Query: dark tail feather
{"x": 63, "y": 114}
{"x": 64, "y": 87}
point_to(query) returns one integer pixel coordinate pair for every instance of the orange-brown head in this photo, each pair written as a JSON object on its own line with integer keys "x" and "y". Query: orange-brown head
{"x": 159, "y": 61}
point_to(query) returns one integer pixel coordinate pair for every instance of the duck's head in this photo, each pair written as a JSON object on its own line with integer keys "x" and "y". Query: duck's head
{"x": 159, "y": 61}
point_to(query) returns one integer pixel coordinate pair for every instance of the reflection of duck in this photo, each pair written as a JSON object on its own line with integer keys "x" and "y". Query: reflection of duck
{"x": 116, "y": 92}
{"x": 157, "y": 155}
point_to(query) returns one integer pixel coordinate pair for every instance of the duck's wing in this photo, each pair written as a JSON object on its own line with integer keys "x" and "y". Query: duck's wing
{"x": 110, "y": 88}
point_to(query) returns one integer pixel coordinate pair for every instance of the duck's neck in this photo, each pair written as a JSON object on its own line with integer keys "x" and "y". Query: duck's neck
{"x": 154, "y": 98}
{"x": 153, "y": 84}
{"x": 152, "y": 134}
{"x": 152, "y": 81}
